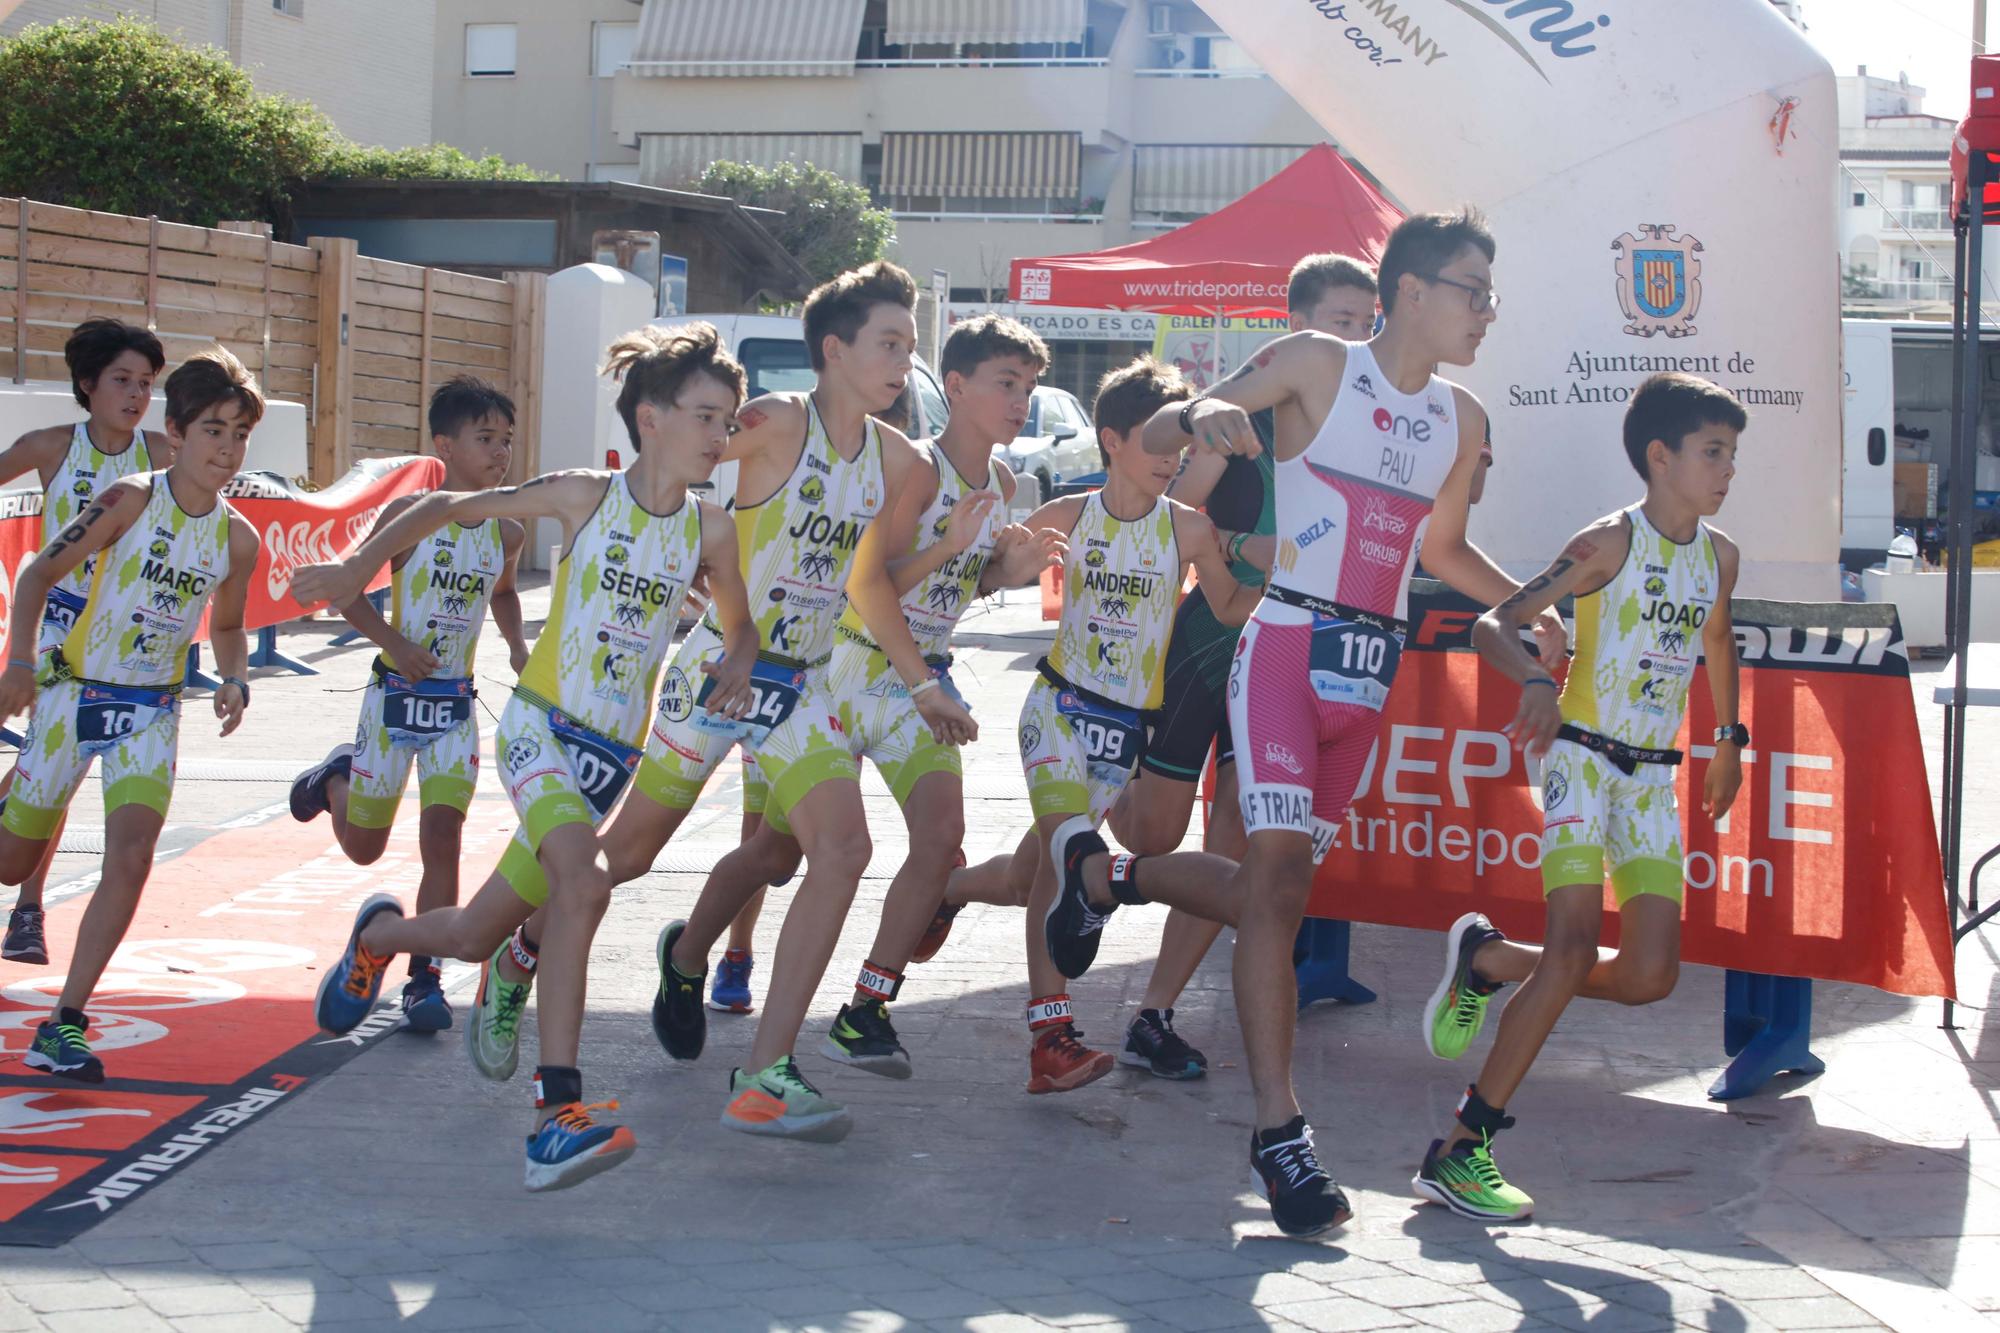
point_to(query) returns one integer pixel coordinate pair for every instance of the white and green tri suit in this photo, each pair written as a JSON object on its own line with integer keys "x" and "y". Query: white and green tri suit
{"x": 112, "y": 686}
{"x": 797, "y": 548}
{"x": 1637, "y": 641}
{"x": 569, "y": 740}
{"x": 438, "y": 599}
{"x": 874, "y": 705}
{"x": 1083, "y": 725}
{"x": 84, "y": 471}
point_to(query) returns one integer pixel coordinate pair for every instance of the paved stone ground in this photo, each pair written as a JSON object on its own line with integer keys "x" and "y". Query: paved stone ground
{"x": 1869, "y": 1197}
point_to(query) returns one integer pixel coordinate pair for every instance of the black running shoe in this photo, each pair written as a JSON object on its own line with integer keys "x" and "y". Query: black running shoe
{"x": 679, "y": 1021}
{"x": 25, "y": 942}
{"x": 1152, "y": 1044}
{"x": 1073, "y": 927}
{"x": 1304, "y": 1200}
{"x": 863, "y": 1036}
{"x": 309, "y": 787}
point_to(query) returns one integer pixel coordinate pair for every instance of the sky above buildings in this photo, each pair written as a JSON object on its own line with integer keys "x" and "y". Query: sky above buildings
{"x": 1931, "y": 40}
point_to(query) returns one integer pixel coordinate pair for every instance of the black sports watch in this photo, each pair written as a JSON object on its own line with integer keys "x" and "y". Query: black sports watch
{"x": 1735, "y": 733}
{"x": 240, "y": 684}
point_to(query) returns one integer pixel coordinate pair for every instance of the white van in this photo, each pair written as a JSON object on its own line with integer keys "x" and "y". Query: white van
{"x": 1868, "y": 417}
{"x": 772, "y": 349}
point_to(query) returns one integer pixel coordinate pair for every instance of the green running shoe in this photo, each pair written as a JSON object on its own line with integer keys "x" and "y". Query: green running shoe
{"x": 493, "y": 1028}
{"x": 778, "y": 1102}
{"x": 1467, "y": 1181}
{"x": 1457, "y": 1007}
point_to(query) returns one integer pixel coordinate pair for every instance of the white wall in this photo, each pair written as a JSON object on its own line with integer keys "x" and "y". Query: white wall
{"x": 277, "y": 445}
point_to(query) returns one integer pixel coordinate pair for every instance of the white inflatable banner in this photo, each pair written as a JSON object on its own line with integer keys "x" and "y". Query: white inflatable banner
{"x": 1661, "y": 180}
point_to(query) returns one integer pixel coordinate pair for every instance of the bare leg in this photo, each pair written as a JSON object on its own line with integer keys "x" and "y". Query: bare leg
{"x": 440, "y": 835}
{"x": 935, "y": 814}
{"x": 631, "y": 841}
{"x": 1274, "y": 883}
{"x": 364, "y": 846}
{"x": 737, "y": 878}
{"x": 1043, "y": 978}
{"x": 832, "y": 828}
{"x": 1642, "y": 970}
{"x": 130, "y": 834}
{"x": 1187, "y": 938}
{"x": 743, "y": 927}
{"x": 470, "y": 933}
{"x": 1001, "y": 880}
{"x": 579, "y": 891}
{"x": 36, "y": 884}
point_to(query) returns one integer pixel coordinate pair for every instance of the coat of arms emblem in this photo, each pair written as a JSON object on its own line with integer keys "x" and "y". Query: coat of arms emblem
{"x": 1659, "y": 281}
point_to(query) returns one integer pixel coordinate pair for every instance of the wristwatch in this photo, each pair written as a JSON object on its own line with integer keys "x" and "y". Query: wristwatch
{"x": 240, "y": 684}
{"x": 1735, "y": 733}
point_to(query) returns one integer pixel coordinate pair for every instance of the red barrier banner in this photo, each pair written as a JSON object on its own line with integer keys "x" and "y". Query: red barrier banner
{"x": 1827, "y": 867}
{"x": 296, "y": 527}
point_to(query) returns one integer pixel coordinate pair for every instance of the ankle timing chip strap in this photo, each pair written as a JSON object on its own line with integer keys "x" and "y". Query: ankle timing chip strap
{"x": 879, "y": 982}
{"x": 1477, "y": 1116}
{"x": 557, "y": 1085}
{"x": 526, "y": 956}
{"x": 1125, "y": 880}
{"x": 1047, "y": 1012}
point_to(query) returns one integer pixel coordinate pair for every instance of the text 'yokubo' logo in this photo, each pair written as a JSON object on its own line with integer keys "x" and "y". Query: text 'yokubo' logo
{"x": 1659, "y": 281}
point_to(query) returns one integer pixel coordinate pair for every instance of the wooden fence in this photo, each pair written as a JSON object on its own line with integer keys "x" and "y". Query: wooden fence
{"x": 360, "y": 341}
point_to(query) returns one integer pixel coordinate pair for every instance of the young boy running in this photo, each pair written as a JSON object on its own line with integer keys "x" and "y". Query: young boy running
{"x": 569, "y": 739}
{"x": 1328, "y": 293}
{"x": 112, "y": 367}
{"x": 1375, "y": 454}
{"x": 166, "y": 542}
{"x": 418, "y": 704}
{"x": 1652, "y": 586}
{"x": 955, "y": 502}
{"x": 1082, "y": 725}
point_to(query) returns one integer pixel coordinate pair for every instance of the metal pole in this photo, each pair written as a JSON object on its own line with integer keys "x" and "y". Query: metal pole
{"x": 1979, "y": 27}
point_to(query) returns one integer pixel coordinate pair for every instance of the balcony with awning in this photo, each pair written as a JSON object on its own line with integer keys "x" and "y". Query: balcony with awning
{"x": 676, "y": 161}
{"x": 747, "y": 39}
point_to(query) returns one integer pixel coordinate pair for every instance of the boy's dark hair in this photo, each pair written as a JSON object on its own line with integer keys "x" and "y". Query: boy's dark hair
{"x": 655, "y": 364}
{"x": 1672, "y": 406}
{"x": 1129, "y": 395}
{"x": 464, "y": 400}
{"x": 1424, "y": 243}
{"x": 96, "y": 343}
{"x": 985, "y": 338}
{"x": 842, "y": 305}
{"x": 1316, "y": 275}
{"x": 206, "y": 379}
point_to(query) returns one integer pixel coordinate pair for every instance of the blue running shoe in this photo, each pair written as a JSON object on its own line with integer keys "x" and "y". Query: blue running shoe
{"x": 424, "y": 1007}
{"x": 571, "y": 1147}
{"x": 731, "y": 992}
{"x": 350, "y": 987}
{"x": 60, "y": 1047}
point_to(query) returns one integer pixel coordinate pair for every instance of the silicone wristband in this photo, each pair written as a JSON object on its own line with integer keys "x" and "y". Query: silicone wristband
{"x": 1539, "y": 680}
{"x": 1187, "y": 421}
{"x": 25, "y": 666}
{"x": 927, "y": 683}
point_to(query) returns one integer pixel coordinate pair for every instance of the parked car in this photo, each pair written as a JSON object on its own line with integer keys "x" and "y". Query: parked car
{"x": 1058, "y": 445}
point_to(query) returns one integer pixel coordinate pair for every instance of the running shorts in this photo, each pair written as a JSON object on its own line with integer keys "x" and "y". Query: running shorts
{"x": 555, "y": 773}
{"x": 135, "y": 732}
{"x": 1077, "y": 754}
{"x": 687, "y": 742}
{"x": 1305, "y": 700}
{"x": 1194, "y": 712}
{"x": 1598, "y": 819}
{"x": 447, "y": 764}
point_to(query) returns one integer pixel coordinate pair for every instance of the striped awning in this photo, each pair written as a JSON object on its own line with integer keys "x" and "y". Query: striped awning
{"x": 747, "y": 38}
{"x": 982, "y": 166}
{"x": 676, "y": 161}
{"x": 955, "y": 22}
{"x": 1201, "y": 178}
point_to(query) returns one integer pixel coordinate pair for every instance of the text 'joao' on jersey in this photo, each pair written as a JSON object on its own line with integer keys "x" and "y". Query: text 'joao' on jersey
{"x": 148, "y": 591}
{"x": 798, "y": 545}
{"x": 935, "y": 604}
{"x": 438, "y": 597}
{"x": 1121, "y": 582}
{"x": 84, "y": 471}
{"x": 1352, "y": 509}
{"x": 1639, "y": 636}
{"x": 618, "y": 593}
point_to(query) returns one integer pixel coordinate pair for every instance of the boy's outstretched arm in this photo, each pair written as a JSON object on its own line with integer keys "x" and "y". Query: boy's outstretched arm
{"x": 1718, "y": 650}
{"x": 1590, "y": 559}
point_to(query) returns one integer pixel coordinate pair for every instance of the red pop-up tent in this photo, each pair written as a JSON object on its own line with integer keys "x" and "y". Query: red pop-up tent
{"x": 1234, "y": 260}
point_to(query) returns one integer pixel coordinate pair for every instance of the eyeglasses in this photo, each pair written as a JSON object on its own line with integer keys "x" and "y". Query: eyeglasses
{"x": 1481, "y": 299}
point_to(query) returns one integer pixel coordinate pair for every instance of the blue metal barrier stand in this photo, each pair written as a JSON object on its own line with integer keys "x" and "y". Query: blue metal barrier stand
{"x": 380, "y": 601}
{"x": 1320, "y": 959}
{"x": 195, "y": 675}
{"x": 266, "y": 654}
{"x": 1767, "y": 1029}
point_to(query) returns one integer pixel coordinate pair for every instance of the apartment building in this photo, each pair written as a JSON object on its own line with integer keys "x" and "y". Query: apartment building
{"x": 365, "y": 63}
{"x": 991, "y": 128}
{"x": 1894, "y": 200}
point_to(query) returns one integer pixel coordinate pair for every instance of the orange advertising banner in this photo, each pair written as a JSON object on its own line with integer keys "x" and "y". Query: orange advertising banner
{"x": 1827, "y": 866}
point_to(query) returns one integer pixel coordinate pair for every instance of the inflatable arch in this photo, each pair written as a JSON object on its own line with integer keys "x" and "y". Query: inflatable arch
{"x": 1661, "y": 181}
